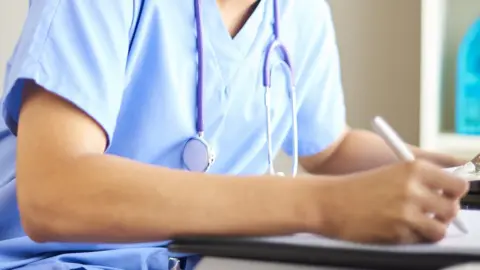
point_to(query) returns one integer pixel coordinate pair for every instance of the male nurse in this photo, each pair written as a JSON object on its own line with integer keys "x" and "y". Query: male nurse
{"x": 99, "y": 101}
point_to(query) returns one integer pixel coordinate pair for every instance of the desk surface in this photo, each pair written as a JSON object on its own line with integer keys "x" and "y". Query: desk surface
{"x": 317, "y": 251}
{"x": 214, "y": 263}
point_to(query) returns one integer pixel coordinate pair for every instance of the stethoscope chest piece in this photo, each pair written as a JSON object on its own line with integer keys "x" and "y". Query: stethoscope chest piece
{"x": 197, "y": 155}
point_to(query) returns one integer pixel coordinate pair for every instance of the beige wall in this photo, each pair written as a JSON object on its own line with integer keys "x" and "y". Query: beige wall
{"x": 379, "y": 43}
{"x": 12, "y": 14}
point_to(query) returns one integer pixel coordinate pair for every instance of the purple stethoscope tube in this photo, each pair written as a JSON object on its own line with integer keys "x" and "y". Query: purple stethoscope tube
{"x": 197, "y": 155}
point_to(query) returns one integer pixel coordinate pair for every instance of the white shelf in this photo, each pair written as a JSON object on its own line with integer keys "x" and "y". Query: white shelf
{"x": 444, "y": 23}
{"x": 459, "y": 145}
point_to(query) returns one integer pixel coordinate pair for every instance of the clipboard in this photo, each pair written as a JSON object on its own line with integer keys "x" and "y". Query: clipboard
{"x": 307, "y": 249}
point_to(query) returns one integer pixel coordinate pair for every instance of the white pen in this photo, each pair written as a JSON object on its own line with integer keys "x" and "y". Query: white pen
{"x": 384, "y": 130}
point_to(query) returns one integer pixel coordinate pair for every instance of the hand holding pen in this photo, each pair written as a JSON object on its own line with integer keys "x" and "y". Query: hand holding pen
{"x": 402, "y": 203}
{"x": 402, "y": 151}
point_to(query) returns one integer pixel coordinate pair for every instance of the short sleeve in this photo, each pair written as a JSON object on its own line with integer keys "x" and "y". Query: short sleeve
{"x": 76, "y": 49}
{"x": 321, "y": 115}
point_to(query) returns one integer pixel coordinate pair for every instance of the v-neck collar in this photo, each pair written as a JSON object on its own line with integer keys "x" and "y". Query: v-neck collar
{"x": 218, "y": 35}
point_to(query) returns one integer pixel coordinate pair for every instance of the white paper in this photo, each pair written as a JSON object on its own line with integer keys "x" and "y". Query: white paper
{"x": 454, "y": 242}
{"x": 466, "y": 172}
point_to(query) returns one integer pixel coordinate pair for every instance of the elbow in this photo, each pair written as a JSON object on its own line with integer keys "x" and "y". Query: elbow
{"x": 34, "y": 232}
{"x": 38, "y": 215}
{"x": 34, "y": 224}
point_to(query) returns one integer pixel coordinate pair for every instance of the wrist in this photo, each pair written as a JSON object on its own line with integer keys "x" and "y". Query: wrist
{"x": 314, "y": 200}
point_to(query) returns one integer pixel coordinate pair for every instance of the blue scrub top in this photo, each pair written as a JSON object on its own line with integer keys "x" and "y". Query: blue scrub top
{"x": 132, "y": 66}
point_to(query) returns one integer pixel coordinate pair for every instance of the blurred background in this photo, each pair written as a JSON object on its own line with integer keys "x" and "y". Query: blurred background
{"x": 399, "y": 60}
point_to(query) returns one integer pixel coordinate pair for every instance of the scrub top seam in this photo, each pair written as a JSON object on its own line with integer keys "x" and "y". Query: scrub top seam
{"x": 262, "y": 34}
{"x": 262, "y": 31}
{"x": 216, "y": 61}
{"x": 134, "y": 24}
{"x": 41, "y": 50}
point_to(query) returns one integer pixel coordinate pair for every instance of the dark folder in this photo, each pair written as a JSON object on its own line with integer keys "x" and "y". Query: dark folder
{"x": 455, "y": 249}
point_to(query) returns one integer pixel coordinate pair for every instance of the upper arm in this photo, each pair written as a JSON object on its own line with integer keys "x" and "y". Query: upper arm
{"x": 321, "y": 115}
{"x": 77, "y": 51}
{"x": 64, "y": 82}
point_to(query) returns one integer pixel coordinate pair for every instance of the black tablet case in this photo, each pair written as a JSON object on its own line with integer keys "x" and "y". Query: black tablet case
{"x": 257, "y": 249}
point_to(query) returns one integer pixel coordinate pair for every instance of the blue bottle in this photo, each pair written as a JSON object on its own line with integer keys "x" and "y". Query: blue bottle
{"x": 467, "y": 115}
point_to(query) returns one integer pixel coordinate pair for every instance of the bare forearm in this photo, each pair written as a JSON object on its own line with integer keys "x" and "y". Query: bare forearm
{"x": 363, "y": 150}
{"x": 360, "y": 150}
{"x": 109, "y": 199}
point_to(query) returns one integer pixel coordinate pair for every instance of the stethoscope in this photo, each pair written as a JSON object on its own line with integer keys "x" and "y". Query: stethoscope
{"x": 197, "y": 154}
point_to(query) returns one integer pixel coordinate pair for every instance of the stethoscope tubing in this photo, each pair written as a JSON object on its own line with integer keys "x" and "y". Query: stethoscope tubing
{"x": 275, "y": 46}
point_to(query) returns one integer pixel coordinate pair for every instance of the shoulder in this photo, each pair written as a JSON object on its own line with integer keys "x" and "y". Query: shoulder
{"x": 64, "y": 22}
{"x": 75, "y": 49}
{"x": 51, "y": 10}
{"x": 308, "y": 29}
{"x": 308, "y": 11}
{"x": 307, "y": 21}
{"x": 307, "y": 15}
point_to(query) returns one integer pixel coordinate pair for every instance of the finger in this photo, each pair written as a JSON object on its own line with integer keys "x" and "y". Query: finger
{"x": 430, "y": 201}
{"x": 427, "y": 228}
{"x": 448, "y": 214}
{"x": 409, "y": 235}
{"x": 437, "y": 179}
{"x": 458, "y": 191}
